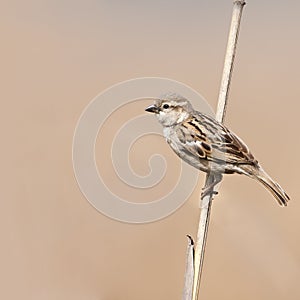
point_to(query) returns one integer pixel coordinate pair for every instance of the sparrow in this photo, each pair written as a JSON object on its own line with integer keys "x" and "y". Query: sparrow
{"x": 209, "y": 145}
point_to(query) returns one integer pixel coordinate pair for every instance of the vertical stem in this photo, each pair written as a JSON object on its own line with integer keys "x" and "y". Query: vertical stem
{"x": 206, "y": 202}
{"x": 229, "y": 59}
{"x": 189, "y": 271}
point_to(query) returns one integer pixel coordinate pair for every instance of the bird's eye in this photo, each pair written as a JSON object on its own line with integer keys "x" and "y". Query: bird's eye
{"x": 166, "y": 106}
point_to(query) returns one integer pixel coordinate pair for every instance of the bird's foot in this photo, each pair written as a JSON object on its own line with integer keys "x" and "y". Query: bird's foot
{"x": 208, "y": 191}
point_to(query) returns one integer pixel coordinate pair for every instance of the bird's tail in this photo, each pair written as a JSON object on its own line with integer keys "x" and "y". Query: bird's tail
{"x": 276, "y": 190}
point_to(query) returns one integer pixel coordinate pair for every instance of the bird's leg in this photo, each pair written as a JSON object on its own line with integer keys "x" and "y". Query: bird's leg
{"x": 209, "y": 188}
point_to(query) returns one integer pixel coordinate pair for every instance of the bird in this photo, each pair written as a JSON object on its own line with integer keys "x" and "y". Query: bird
{"x": 208, "y": 145}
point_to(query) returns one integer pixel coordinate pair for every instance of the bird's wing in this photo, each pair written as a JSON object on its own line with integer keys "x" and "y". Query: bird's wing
{"x": 203, "y": 136}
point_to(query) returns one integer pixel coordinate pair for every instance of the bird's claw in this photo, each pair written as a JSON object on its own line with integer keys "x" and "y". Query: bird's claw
{"x": 208, "y": 192}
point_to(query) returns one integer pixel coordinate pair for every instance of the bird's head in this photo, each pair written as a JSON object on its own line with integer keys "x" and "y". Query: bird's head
{"x": 171, "y": 109}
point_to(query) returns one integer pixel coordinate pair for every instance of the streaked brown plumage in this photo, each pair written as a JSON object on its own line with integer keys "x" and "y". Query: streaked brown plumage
{"x": 207, "y": 144}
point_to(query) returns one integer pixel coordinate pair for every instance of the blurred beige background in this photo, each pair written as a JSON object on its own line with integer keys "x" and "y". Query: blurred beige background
{"x": 57, "y": 56}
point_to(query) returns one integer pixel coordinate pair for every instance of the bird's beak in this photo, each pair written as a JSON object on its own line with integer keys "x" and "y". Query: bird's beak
{"x": 153, "y": 109}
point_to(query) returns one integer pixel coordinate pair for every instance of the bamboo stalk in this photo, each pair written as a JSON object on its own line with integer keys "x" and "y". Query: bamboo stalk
{"x": 206, "y": 202}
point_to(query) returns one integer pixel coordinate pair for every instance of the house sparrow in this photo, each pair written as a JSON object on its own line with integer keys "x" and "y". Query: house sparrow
{"x": 208, "y": 145}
